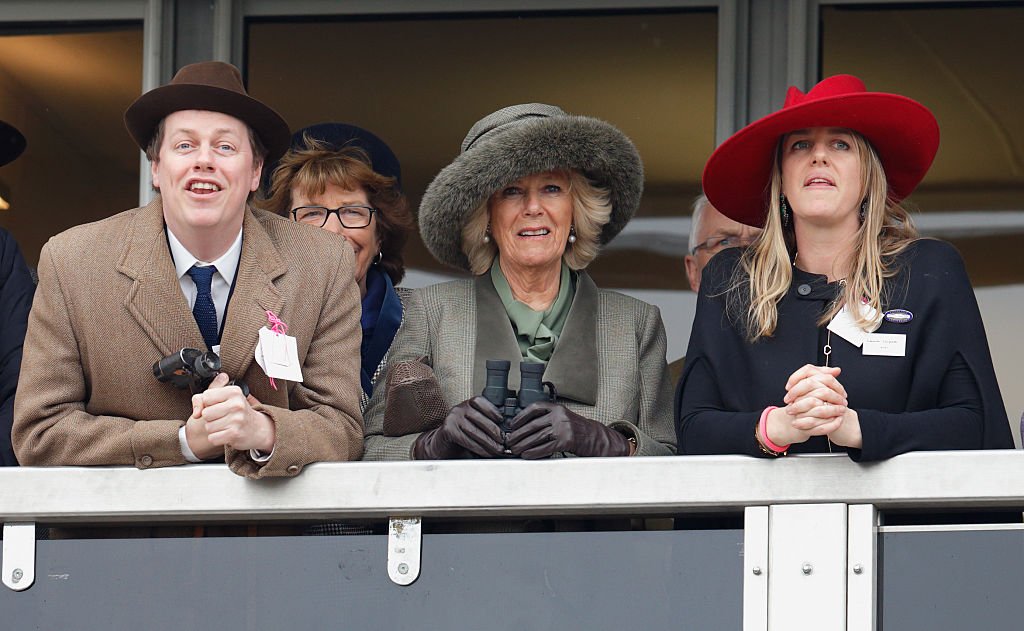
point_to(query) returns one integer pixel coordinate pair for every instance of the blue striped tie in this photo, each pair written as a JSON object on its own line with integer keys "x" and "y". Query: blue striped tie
{"x": 204, "y": 311}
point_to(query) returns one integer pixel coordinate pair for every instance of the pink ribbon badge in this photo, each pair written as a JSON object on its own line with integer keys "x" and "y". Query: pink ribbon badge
{"x": 278, "y": 326}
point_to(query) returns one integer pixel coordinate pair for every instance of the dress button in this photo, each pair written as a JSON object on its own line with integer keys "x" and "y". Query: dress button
{"x": 146, "y": 461}
{"x": 803, "y": 289}
{"x": 293, "y": 469}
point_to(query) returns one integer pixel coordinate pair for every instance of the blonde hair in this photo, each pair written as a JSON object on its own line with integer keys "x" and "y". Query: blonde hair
{"x": 766, "y": 267}
{"x": 591, "y": 210}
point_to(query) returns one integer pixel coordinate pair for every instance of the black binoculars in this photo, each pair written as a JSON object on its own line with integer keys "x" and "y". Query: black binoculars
{"x": 192, "y": 369}
{"x": 508, "y": 402}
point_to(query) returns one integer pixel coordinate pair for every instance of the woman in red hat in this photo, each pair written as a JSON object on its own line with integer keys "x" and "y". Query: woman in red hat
{"x": 838, "y": 329}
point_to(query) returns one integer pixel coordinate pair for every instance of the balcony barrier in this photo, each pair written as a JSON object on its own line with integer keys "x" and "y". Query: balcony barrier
{"x": 811, "y": 554}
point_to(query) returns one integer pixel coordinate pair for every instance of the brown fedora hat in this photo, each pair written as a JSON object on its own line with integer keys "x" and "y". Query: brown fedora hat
{"x": 208, "y": 85}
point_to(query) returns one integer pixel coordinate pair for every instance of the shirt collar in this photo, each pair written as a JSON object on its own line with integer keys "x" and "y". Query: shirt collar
{"x": 227, "y": 264}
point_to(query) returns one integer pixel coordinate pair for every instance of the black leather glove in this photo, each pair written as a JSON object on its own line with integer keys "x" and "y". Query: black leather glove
{"x": 545, "y": 428}
{"x": 470, "y": 429}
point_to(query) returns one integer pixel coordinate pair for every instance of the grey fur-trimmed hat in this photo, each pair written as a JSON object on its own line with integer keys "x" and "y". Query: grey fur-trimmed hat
{"x": 520, "y": 140}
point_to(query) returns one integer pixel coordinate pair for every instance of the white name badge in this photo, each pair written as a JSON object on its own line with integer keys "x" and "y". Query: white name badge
{"x": 845, "y": 326}
{"x": 886, "y": 344}
{"x": 278, "y": 355}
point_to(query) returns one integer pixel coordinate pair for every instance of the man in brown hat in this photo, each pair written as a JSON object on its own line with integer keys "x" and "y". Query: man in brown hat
{"x": 195, "y": 269}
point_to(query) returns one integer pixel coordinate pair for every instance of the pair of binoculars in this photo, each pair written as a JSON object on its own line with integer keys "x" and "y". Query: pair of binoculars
{"x": 509, "y": 402}
{"x": 192, "y": 369}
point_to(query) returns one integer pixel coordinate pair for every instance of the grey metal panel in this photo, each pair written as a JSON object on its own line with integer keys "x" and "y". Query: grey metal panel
{"x": 769, "y": 47}
{"x": 593, "y": 581}
{"x": 194, "y": 31}
{"x": 511, "y": 488}
{"x": 267, "y": 8}
{"x": 70, "y": 10}
{"x": 950, "y": 581}
{"x": 802, "y": 59}
{"x": 223, "y": 27}
{"x": 156, "y": 36}
{"x": 733, "y": 66}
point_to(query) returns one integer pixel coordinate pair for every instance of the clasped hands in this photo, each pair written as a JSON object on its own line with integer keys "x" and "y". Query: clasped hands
{"x": 539, "y": 431}
{"x": 223, "y": 416}
{"x": 816, "y": 405}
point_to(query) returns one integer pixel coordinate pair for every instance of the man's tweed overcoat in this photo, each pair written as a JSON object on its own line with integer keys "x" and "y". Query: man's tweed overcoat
{"x": 109, "y": 305}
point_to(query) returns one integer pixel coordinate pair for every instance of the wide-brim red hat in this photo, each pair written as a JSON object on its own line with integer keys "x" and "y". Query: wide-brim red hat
{"x": 12, "y": 143}
{"x": 208, "y": 85}
{"x": 903, "y": 132}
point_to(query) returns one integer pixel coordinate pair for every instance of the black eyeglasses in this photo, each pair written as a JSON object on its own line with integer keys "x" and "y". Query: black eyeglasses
{"x": 721, "y": 242}
{"x": 350, "y": 216}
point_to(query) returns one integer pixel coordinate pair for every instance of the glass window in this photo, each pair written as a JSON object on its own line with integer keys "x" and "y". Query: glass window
{"x": 963, "y": 62}
{"x": 652, "y": 74}
{"x": 66, "y": 91}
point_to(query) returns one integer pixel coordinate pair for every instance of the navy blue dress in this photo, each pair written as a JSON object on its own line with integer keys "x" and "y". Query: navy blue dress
{"x": 941, "y": 395}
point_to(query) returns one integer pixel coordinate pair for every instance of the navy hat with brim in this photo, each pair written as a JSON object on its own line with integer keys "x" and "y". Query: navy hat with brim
{"x": 12, "y": 143}
{"x": 339, "y": 135}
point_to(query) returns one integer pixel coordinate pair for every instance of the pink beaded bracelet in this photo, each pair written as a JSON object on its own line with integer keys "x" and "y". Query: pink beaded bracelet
{"x": 762, "y": 434}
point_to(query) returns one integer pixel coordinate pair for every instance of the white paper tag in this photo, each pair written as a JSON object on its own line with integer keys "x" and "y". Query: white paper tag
{"x": 278, "y": 355}
{"x": 886, "y": 344}
{"x": 845, "y": 326}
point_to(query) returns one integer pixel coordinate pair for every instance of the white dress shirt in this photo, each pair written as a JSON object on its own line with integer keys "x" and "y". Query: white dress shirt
{"x": 220, "y": 291}
{"x": 220, "y": 286}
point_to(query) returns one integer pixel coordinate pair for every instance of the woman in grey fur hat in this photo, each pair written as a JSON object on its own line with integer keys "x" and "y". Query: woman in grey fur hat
{"x": 525, "y": 207}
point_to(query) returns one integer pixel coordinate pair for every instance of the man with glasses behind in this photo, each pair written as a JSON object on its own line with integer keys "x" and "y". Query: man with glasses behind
{"x": 710, "y": 233}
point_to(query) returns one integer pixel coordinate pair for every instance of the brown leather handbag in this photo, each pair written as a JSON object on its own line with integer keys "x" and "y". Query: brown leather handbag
{"x": 414, "y": 402}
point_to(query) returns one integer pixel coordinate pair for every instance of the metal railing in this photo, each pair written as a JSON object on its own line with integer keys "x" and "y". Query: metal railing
{"x": 511, "y": 488}
{"x": 811, "y": 522}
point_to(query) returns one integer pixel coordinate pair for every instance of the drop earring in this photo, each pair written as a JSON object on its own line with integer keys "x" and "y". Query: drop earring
{"x": 863, "y": 210}
{"x": 784, "y": 210}
{"x": 572, "y": 234}
{"x": 487, "y": 233}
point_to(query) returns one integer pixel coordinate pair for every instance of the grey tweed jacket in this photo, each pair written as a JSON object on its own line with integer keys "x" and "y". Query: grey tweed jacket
{"x": 608, "y": 364}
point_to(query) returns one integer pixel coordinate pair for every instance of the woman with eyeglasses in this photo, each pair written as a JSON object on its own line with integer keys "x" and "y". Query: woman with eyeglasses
{"x": 346, "y": 180}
